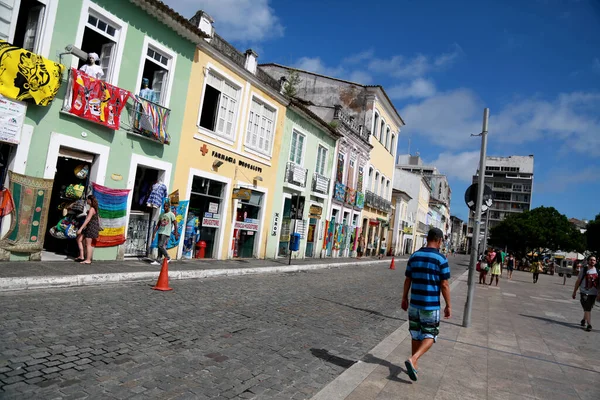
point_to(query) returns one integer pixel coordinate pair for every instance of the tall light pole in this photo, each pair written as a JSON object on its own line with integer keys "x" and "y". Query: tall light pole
{"x": 477, "y": 224}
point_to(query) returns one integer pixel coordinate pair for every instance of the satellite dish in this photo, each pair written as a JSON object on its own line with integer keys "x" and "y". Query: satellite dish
{"x": 471, "y": 197}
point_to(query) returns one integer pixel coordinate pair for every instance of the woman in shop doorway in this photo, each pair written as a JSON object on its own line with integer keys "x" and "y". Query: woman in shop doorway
{"x": 89, "y": 230}
{"x": 496, "y": 268}
{"x": 382, "y": 248}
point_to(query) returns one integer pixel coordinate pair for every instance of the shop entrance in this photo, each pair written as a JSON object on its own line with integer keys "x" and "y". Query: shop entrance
{"x": 286, "y": 229}
{"x": 204, "y": 219}
{"x": 141, "y": 217}
{"x": 71, "y": 182}
{"x": 311, "y": 237}
{"x": 247, "y": 222}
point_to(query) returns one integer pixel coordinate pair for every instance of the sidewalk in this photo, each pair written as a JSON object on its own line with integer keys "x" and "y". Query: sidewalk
{"x": 39, "y": 274}
{"x": 524, "y": 343}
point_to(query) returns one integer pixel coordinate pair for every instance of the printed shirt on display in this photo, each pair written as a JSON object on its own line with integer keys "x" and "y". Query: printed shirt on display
{"x": 589, "y": 285}
{"x": 427, "y": 268}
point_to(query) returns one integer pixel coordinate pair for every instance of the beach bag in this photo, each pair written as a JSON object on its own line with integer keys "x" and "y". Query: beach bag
{"x": 74, "y": 191}
{"x": 478, "y": 267}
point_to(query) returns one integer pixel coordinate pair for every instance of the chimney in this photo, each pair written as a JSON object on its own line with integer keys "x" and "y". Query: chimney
{"x": 251, "y": 61}
{"x": 204, "y": 22}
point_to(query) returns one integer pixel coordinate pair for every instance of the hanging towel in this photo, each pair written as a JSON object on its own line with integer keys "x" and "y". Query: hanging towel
{"x": 112, "y": 204}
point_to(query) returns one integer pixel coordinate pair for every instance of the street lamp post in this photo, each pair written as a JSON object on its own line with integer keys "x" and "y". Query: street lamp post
{"x": 477, "y": 224}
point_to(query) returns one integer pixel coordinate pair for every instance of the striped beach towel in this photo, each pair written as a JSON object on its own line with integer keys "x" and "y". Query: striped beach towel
{"x": 112, "y": 204}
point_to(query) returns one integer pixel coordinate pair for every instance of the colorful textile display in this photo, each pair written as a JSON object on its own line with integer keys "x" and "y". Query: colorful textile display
{"x": 359, "y": 183}
{"x": 25, "y": 75}
{"x": 32, "y": 200}
{"x": 7, "y": 204}
{"x": 96, "y": 100}
{"x": 180, "y": 211}
{"x": 360, "y": 200}
{"x": 151, "y": 120}
{"x": 112, "y": 204}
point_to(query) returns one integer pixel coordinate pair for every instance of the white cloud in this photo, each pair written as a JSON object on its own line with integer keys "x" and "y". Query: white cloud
{"x": 560, "y": 180}
{"x": 419, "y": 88}
{"x": 235, "y": 20}
{"x": 461, "y": 166}
{"x": 402, "y": 67}
{"x": 359, "y": 57}
{"x": 315, "y": 64}
{"x": 360, "y": 77}
{"x": 448, "y": 119}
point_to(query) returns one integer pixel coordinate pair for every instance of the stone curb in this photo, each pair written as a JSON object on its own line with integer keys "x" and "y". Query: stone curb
{"x": 58, "y": 281}
{"x": 342, "y": 386}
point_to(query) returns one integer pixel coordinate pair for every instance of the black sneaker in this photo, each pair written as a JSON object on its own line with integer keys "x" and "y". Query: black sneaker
{"x": 582, "y": 322}
{"x": 589, "y": 328}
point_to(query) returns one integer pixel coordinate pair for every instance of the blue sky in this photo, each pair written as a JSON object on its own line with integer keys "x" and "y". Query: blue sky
{"x": 534, "y": 63}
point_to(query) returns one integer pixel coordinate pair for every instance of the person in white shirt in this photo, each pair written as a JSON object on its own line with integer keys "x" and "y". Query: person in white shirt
{"x": 91, "y": 68}
{"x": 587, "y": 283}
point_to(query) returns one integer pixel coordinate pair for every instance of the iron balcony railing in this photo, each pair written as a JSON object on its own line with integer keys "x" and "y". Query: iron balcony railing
{"x": 377, "y": 202}
{"x": 320, "y": 183}
{"x": 295, "y": 174}
{"x": 423, "y": 228}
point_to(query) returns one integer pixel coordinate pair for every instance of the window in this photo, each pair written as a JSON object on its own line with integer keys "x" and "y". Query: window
{"x": 260, "y": 128}
{"x": 101, "y": 36}
{"x": 387, "y": 138}
{"x": 157, "y": 66}
{"x": 381, "y": 131}
{"x": 297, "y": 150}
{"x": 527, "y": 188}
{"x": 219, "y": 106}
{"x": 321, "y": 160}
{"x": 387, "y": 189}
{"x": 393, "y": 145}
{"x": 376, "y": 188}
{"x": 370, "y": 180}
{"x": 517, "y": 188}
{"x": 23, "y": 26}
{"x": 382, "y": 186}
{"x": 376, "y": 125}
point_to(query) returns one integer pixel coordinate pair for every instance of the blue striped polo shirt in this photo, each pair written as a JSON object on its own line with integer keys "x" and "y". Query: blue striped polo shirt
{"x": 427, "y": 268}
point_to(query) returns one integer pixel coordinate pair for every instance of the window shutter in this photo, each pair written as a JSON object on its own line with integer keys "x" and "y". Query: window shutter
{"x": 157, "y": 85}
{"x": 106, "y": 59}
{"x": 33, "y": 28}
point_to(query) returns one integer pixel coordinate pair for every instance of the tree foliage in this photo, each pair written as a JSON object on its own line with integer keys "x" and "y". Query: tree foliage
{"x": 290, "y": 88}
{"x": 592, "y": 236}
{"x": 540, "y": 228}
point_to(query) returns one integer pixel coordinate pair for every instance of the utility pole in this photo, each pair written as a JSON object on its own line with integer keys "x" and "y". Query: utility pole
{"x": 476, "y": 228}
{"x": 487, "y": 228}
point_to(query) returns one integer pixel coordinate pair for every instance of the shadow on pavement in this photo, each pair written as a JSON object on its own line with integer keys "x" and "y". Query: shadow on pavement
{"x": 394, "y": 369}
{"x": 361, "y": 309}
{"x": 325, "y": 355}
{"x": 553, "y": 321}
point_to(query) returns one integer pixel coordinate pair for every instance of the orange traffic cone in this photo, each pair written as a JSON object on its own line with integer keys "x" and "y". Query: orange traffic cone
{"x": 163, "y": 278}
{"x": 392, "y": 265}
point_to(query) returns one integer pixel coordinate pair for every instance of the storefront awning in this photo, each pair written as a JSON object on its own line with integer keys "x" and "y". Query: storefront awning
{"x": 77, "y": 155}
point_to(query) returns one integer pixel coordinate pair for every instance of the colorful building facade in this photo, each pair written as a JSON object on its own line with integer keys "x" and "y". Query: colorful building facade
{"x": 229, "y": 151}
{"x": 104, "y": 127}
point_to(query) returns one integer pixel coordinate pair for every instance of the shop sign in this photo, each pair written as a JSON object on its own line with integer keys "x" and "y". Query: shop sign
{"x": 242, "y": 194}
{"x": 211, "y": 222}
{"x": 247, "y": 226}
{"x": 213, "y": 207}
{"x": 408, "y": 230}
{"x": 315, "y": 212}
{"x": 275, "y": 227}
{"x": 232, "y": 160}
{"x": 12, "y": 114}
{"x": 208, "y": 215}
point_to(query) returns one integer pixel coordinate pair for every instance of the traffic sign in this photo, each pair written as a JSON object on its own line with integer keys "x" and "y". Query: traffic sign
{"x": 471, "y": 197}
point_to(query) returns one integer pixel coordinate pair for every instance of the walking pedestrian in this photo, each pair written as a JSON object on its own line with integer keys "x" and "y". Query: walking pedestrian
{"x": 427, "y": 274}
{"x": 587, "y": 283}
{"x": 382, "y": 248}
{"x": 483, "y": 268}
{"x": 510, "y": 265}
{"x": 361, "y": 246}
{"x": 89, "y": 230}
{"x": 166, "y": 222}
{"x": 496, "y": 268}
{"x": 536, "y": 266}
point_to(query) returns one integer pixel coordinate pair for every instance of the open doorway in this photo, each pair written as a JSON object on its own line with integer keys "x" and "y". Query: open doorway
{"x": 141, "y": 217}
{"x": 70, "y": 185}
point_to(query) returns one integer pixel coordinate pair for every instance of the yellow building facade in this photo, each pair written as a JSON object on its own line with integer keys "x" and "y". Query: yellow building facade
{"x": 232, "y": 131}
{"x": 385, "y": 129}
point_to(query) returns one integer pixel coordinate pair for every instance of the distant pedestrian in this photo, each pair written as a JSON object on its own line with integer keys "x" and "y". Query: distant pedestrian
{"x": 361, "y": 246}
{"x": 496, "y": 268}
{"x": 382, "y": 248}
{"x": 588, "y": 285}
{"x": 483, "y": 268}
{"x": 88, "y": 232}
{"x": 510, "y": 265}
{"x": 427, "y": 274}
{"x": 166, "y": 222}
{"x": 536, "y": 268}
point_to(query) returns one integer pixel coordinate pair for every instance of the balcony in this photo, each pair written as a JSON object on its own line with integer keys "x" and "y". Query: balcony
{"x": 320, "y": 184}
{"x": 348, "y": 125}
{"x": 295, "y": 174}
{"x": 421, "y": 227}
{"x": 339, "y": 192}
{"x": 150, "y": 120}
{"x": 377, "y": 202}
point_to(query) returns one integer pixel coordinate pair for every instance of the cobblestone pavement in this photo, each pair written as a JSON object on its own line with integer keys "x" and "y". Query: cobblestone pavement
{"x": 265, "y": 336}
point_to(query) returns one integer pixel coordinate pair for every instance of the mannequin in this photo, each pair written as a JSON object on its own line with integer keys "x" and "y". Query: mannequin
{"x": 146, "y": 92}
{"x": 91, "y": 68}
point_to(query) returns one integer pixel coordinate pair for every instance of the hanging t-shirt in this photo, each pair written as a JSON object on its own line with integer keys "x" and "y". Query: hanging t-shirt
{"x": 158, "y": 193}
{"x": 95, "y": 71}
{"x": 589, "y": 283}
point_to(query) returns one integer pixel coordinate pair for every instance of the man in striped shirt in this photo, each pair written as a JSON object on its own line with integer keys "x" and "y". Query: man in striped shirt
{"x": 427, "y": 274}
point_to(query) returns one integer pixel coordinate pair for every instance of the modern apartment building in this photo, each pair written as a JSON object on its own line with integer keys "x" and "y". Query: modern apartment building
{"x": 511, "y": 179}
